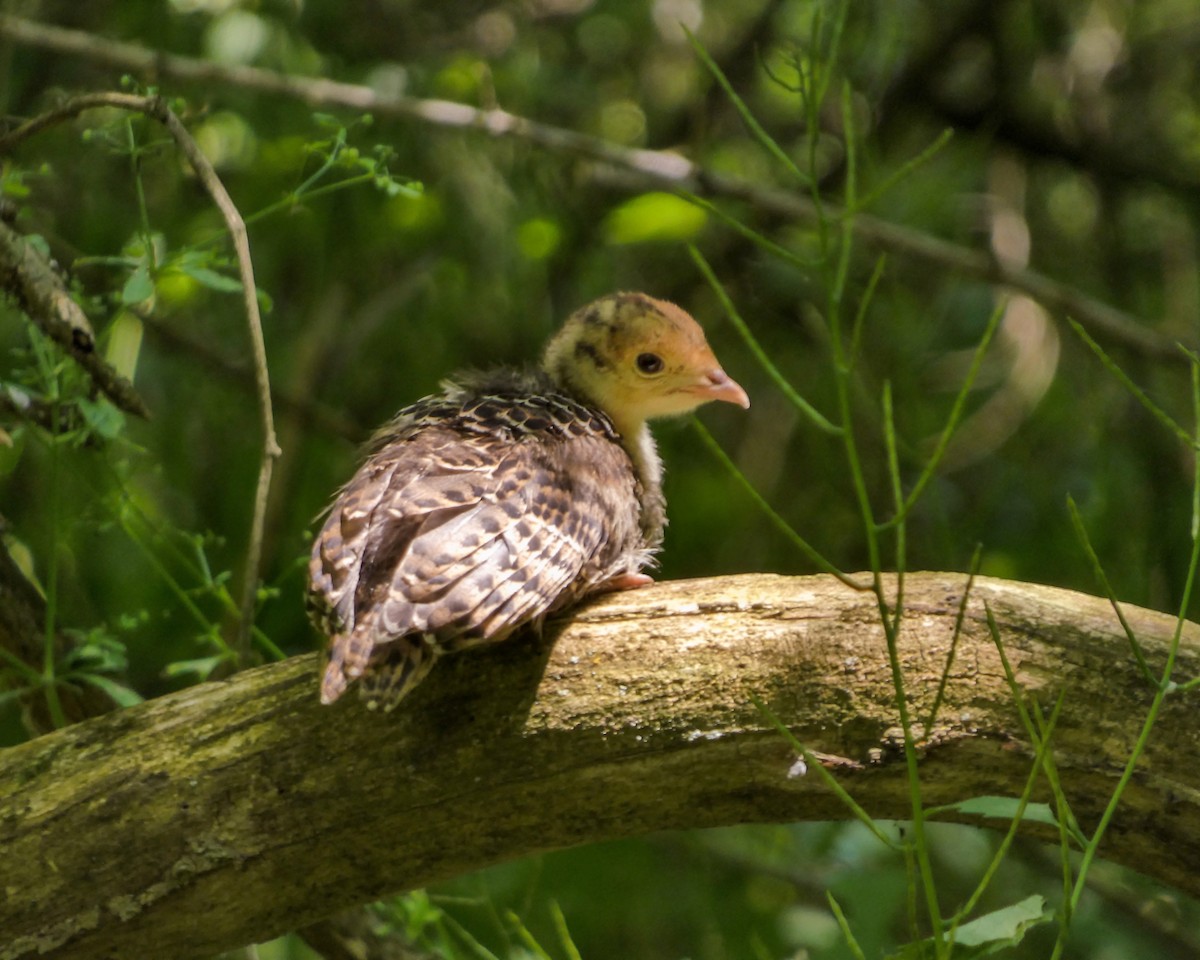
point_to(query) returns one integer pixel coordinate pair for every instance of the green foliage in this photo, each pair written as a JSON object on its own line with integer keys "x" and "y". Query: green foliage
{"x": 653, "y": 216}
{"x": 1001, "y": 808}
{"x": 987, "y": 935}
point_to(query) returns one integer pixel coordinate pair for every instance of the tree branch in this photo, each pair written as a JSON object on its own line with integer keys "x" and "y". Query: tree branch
{"x": 652, "y": 168}
{"x": 246, "y": 802}
{"x": 28, "y": 276}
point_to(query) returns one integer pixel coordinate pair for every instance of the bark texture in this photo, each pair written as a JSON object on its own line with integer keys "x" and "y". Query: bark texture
{"x": 233, "y": 811}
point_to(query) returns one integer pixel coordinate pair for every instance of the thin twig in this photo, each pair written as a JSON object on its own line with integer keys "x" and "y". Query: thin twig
{"x": 661, "y": 168}
{"x": 270, "y": 451}
{"x": 156, "y": 108}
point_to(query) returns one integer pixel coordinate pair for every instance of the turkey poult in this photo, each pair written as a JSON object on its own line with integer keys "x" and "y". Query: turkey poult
{"x": 506, "y": 497}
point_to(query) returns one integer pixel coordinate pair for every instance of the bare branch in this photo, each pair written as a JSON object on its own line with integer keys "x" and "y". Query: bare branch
{"x": 248, "y": 803}
{"x": 237, "y": 230}
{"x": 651, "y": 167}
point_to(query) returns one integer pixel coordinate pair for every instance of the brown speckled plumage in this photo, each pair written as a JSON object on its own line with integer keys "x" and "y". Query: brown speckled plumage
{"x": 506, "y": 497}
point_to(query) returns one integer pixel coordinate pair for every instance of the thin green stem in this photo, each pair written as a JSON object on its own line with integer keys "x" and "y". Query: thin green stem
{"x": 780, "y": 523}
{"x": 920, "y": 840}
{"x": 830, "y": 55}
{"x": 137, "y": 526}
{"x": 526, "y": 937}
{"x": 793, "y": 397}
{"x": 1010, "y": 835}
{"x": 893, "y": 463}
{"x": 1064, "y": 814}
{"x": 1138, "y": 394}
{"x": 305, "y": 191}
{"x": 1165, "y": 686}
{"x": 472, "y": 943}
{"x": 564, "y": 934}
{"x": 268, "y": 644}
{"x": 959, "y": 619}
{"x": 1196, "y": 479}
{"x": 135, "y": 160}
{"x": 296, "y": 196}
{"x": 864, "y": 303}
{"x": 1081, "y": 535}
{"x": 911, "y": 886}
{"x": 758, "y": 239}
{"x": 50, "y": 637}
{"x": 208, "y": 628}
{"x": 813, "y": 762}
{"x": 756, "y": 129}
{"x": 907, "y": 168}
{"x": 339, "y": 143}
{"x": 1065, "y": 822}
{"x": 956, "y": 413}
{"x": 890, "y": 615}
{"x": 851, "y": 943}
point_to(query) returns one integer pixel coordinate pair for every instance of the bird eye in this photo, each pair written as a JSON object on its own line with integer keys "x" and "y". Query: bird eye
{"x": 649, "y": 363}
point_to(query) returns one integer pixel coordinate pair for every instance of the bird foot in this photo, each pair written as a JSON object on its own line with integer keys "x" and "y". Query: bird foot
{"x": 624, "y": 581}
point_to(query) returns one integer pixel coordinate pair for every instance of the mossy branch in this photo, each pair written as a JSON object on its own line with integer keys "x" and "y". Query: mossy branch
{"x": 246, "y": 802}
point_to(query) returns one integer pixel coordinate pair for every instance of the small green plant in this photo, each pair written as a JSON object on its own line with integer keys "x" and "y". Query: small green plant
{"x": 83, "y": 440}
{"x": 962, "y": 932}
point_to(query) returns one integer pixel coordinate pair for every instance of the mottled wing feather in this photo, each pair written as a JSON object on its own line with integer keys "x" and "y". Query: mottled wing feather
{"x": 445, "y": 540}
{"x": 549, "y": 577}
{"x": 396, "y": 669}
{"x": 337, "y": 554}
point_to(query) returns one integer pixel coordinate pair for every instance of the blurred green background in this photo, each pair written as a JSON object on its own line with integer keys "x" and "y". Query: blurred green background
{"x": 1075, "y": 152}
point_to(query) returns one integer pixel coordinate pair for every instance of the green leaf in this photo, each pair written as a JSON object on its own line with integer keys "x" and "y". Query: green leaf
{"x": 97, "y": 652}
{"x": 988, "y": 934}
{"x": 398, "y": 188}
{"x": 104, "y": 419}
{"x": 1003, "y": 808}
{"x": 11, "y": 187}
{"x": 1005, "y": 927}
{"x": 211, "y": 279}
{"x": 121, "y": 695}
{"x": 200, "y": 668}
{"x": 124, "y": 343}
{"x": 139, "y": 287}
{"x": 653, "y": 217}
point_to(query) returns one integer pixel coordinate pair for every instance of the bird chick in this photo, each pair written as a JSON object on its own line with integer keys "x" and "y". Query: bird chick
{"x": 506, "y": 497}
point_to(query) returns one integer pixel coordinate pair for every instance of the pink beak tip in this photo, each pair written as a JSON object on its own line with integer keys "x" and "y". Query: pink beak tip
{"x": 721, "y": 386}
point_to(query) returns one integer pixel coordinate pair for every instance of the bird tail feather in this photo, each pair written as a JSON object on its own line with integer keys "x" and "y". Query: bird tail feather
{"x": 396, "y": 669}
{"x": 349, "y": 655}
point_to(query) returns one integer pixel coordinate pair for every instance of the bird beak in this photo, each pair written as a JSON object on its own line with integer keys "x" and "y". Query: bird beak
{"x": 716, "y": 384}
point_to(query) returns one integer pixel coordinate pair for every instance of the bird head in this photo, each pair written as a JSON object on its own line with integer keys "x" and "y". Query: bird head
{"x": 637, "y": 358}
